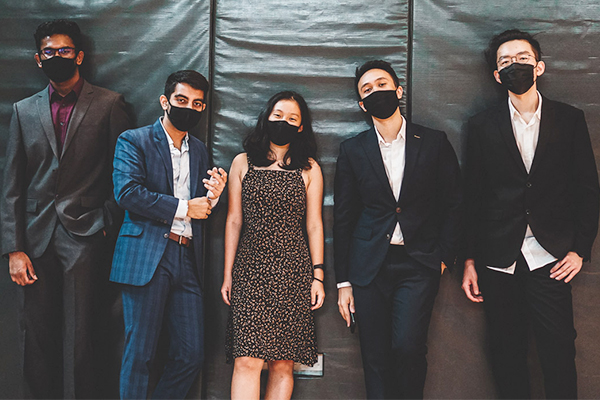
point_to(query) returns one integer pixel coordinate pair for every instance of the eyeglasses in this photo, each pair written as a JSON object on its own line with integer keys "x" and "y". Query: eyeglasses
{"x": 64, "y": 52}
{"x": 521, "y": 58}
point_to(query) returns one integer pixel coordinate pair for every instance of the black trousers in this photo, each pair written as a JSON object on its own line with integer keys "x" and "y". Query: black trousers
{"x": 512, "y": 303}
{"x": 393, "y": 314}
{"x": 56, "y": 317}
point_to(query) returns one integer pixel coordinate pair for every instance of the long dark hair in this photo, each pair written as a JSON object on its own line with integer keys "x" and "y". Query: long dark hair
{"x": 304, "y": 147}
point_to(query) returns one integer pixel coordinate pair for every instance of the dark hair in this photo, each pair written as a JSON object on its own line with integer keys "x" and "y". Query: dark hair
{"x": 258, "y": 145}
{"x": 191, "y": 77}
{"x": 491, "y": 53}
{"x": 374, "y": 64}
{"x": 58, "y": 27}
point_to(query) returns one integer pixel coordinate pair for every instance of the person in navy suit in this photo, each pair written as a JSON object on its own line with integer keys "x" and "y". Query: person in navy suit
{"x": 161, "y": 179}
{"x": 396, "y": 225}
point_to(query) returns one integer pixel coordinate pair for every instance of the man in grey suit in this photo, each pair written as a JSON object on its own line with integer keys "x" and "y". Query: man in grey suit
{"x": 57, "y": 210}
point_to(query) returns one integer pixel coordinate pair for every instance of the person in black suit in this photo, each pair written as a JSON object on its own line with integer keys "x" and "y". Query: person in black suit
{"x": 396, "y": 223}
{"x": 532, "y": 200}
{"x": 57, "y": 209}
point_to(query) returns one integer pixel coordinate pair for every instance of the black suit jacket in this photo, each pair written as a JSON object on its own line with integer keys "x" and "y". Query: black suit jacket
{"x": 42, "y": 186}
{"x": 366, "y": 212}
{"x": 559, "y": 198}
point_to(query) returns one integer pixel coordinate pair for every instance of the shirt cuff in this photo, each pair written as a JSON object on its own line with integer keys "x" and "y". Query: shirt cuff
{"x": 213, "y": 203}
{"x": 182, "y": 209}
{"x": 344, "y": 284}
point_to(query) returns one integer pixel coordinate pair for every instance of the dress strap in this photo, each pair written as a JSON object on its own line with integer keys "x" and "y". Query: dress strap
{"x": 250, "y": 165}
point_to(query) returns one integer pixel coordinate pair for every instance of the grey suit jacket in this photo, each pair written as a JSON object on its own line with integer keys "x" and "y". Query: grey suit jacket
{"x": 42, "y": 186}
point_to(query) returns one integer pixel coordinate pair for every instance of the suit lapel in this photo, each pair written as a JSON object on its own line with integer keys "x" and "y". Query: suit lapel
{"x": 506, "y": 131}
{"x": 79, "y": 111}
{"x": 160, "y": 140}
{"x": 43, "y": 104}
{"x": 371, "y": 148}
{"x": 194, "y": 167}
{"x": 547, "y": 130}
{"x": 413, "y": 146}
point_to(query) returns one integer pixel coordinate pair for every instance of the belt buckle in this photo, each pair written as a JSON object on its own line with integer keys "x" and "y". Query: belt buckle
{"x": 180, "y": 238}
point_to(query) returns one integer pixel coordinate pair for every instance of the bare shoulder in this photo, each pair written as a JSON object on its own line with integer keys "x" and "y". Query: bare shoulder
{"x": 239, "y": 165}
{"x": 315, "y": 168}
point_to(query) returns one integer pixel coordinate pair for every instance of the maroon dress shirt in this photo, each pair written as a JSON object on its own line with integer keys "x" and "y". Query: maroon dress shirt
{"x": 62, "y": 108}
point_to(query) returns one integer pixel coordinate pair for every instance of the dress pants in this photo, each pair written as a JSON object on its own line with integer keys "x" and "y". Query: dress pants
{"x": 512, "y": 303}
{"x": 393, "y": 314}
{"x": 173, "y": 296}
{"x": 56, "y": 315}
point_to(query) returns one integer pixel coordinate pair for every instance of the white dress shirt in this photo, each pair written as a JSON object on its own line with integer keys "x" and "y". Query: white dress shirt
{"x": 526, "y": 135}
{"x": 180, "y": 160}
{"x": 394, "y": 159}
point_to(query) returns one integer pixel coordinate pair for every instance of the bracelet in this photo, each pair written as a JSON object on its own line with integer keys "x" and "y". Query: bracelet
{"x": 317, "y": 279}
{"x": 318, "y": 266}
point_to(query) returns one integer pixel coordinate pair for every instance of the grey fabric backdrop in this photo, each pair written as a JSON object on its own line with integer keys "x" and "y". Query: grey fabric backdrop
{"x": 252, "y": 49}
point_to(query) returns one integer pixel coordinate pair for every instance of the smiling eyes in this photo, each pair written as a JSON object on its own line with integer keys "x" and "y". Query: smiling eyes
{"x": 278, "y": 115}
{"x": 368, "y": 89}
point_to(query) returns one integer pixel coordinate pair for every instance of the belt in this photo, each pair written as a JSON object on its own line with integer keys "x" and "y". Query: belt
{"x": 182, "y": 240}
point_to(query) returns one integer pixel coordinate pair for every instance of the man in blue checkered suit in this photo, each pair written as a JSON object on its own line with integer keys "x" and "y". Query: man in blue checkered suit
{"x": 161, "y": 179}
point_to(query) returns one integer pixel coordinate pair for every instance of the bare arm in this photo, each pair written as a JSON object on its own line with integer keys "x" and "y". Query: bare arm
{"x": 233, "y": 225}
{"x": 314, "y": 229}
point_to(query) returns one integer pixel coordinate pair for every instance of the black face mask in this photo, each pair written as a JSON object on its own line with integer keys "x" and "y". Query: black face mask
{"x": 517, "y": 78}
{"x": 281, "y": 132}
{"x": 59, "y": 69}
{"x": 183, "y": 119}
{"x": 381, "y": 104}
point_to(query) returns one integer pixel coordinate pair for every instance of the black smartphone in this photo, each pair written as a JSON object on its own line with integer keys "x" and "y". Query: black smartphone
{"x": 352, "y": 322}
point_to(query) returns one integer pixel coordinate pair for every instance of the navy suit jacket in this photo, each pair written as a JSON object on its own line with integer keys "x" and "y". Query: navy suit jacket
{"x": 366, "y": 211}
{"x": 558, "y": 198}
{"x": 143, "y": 184}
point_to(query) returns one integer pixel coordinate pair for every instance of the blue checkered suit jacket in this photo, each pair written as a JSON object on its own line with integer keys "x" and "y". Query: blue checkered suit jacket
{"x": 143, "y": 185}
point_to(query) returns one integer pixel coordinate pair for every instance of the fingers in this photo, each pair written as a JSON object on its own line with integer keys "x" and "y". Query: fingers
{"x": 566, "y": 271}
{"x": 558, "y": 266}
{"x": 317, "y": 298}
{"x": 21, "y": 269}
{"x": 345, "y": 314}
{"x": 345, "y": 304}
{"x": 471, "y": 289}
{"x": 572, "y": 275}
{"x": 225, "y": 295}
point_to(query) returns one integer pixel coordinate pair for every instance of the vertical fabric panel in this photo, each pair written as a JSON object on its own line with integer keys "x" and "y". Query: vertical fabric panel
{"x": 450, "y": 83}
{"x": 131, "y": 48}
{"x": 311, "y": 47}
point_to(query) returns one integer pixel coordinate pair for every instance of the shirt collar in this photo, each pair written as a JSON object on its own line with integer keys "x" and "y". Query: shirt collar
{"x": 401, "y": 134}
{"x": 76, "y": 91}
{"x": 515, "y": 114}
{"x": 184, "y": 142}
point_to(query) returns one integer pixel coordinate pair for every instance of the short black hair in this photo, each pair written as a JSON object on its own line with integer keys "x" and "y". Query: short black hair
{"x": 374, "y": 64}
{"x": 193, "y": 78}
{"x": 491, "y": 53}
{"x": 258, "y": 145}
{"x": 59, "y": 27}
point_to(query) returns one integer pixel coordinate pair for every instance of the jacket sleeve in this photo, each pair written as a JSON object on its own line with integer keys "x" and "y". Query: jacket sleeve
{"x": 586, "y": 194}
{"x": 345, "y": 213}
{"x": 14, "y": 189}
{"x": 472, "y": 192}
{"x": 119, "y": 122}
{"x": 129, "y": 176}
{"x": 451, "y": 202}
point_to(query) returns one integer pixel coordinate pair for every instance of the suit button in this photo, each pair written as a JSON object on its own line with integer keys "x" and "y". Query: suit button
{"x": 528, "y": 184}
{"x": 387, "y": 236}
{"x": 398, "y": 210}
{"x": 528, "y": 212}
{"x": 166, "y": 235}
{"x": 56, "y": 196}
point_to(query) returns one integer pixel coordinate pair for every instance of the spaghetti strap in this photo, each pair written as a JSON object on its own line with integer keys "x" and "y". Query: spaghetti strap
{"x": 250, "y": 165}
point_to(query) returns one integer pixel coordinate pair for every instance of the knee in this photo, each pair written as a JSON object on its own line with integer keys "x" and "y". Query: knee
{"x": 281, "y": 368}
{"x": 248, "y": 364}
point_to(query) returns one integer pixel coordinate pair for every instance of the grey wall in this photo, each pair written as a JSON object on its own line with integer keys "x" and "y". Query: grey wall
{"x": 252, "y": 49}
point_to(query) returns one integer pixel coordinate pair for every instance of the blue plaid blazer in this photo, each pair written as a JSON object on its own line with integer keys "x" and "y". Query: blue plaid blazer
{"x": 143, "y": 186}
